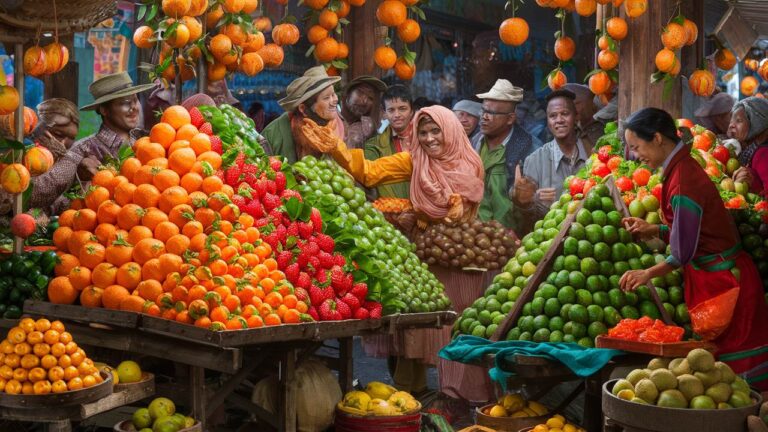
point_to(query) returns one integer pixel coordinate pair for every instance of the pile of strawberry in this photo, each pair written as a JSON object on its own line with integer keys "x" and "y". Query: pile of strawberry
{"x": 319, "y": 275}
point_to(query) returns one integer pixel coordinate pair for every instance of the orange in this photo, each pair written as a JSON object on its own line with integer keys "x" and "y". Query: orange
{"x": 316, "y": 4}
{"x": 162, "y": 133}
{"x": 250, "y": 64}
{"x": 102, "y": 178}
{"x": 92, "y": 254}
{"x": 175, "y": 8}
{"x": 79, "y": 277}
{"x": 556, "y": 80}
{"x": 385, "y": 57}
{"x": 220, "y": 46}
{"x": 599, "y": 83}
{"x": 181, "y": 214}
{"x": 75, "y": 383}
{"x": 124, "y": 193}
{"x": 344, "y": 8}
{"x": 61, "y": 236}
{"x": 272, "y": 54}
{"x": 177, "y": 244}
{"x": 103, "y": 275}
{"x": 130, "y": 166}
{"x": 130, "y": 216}
{"x": 585, "y": 7}
{"x": 114, "y": 295}
{"x": 179, "y": 37}
{"x": 724, "y": 59}
{"x": 565, "y": 47}
{"x": 327, "y": 19}
{"x": 176, "y": 116}
{"x": 514, "y": 31}
{"x": 635, "y": 8}
{"x": 149, "y": 289}
{"x": 409, "y": 31}
{"x": 165, "y": 178}
{"x": 59, "y": 386}
{"x": 404, "y": 70}
{"x": 61, "y": 291}
{"x": 191, "y": 182}
{"x": 616, "y": 28}
{"x": 194, "y": 27}
{"x": 107, "y": 212}
{"x": 666, "y": 60}
{"x": 106, "y": 233}
{"x": 182, "y": 160}
{"x": 316, "y": 33}
{"x": 607, "y": 59}
{"x": 91, "y": 297}
{"x": 129, "y": 275}
{"x": 165, "y": 230}
{"x": 172, "y": 197}
{"x": 147, "y": 249}
{"x": 234, "y": 6}
{"x": 170, "y": 263}
{"x": 146, "y": 196}
{"x": 213, "y": 158}
{"x": 119, "y": 252}
{"x": 692, "y": 30}
{"x": 43, "y": 350}
{"x": 66, "y": 217}
{"x": 67, "y": 263}
{"x": 84, "y": 220}
{"x": 674, "y": 36}
{"x": 391, "y": 13}
{"x": 327, "y": 49}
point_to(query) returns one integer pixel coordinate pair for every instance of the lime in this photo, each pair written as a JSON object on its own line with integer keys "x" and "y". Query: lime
{"x": 548, "y": 223}
{"x": 586, "y": 342}
{"x": 578, "y": 314}
{"x": 583, "y": 297}
{"x": 617, "y": 297}
{"x": 670, "y": 309}
{"x": 576, "y": 279}
{"x": 635, "y": 264}
{"x": 618, "y": 252}
{"x": 606, "y": 268}
{"x": 632, "y": 299}
{"x": 675, "y": 295}
{"x": 569, "y": 339}
{"x": 649, "y": 309}
{"x": 556, "y": 336}
{"x": 620, "y": 267}
{"x": 674, "y": 279}
{"x": 602, "y": 252}
{"x": 469, "y": 313}
{"x": 592, "y": 202}
{"x": 526, "y": 309}
{"x": 551, "y": 233}
{"x": 659, "y": 282}
{"x": 558, "y": 264}
{"x": 577, "y": 231}
{"x": 599, "y": 217}
{"x": 579, "y": 330}
{"x": 634, "y": 250}
{"x": 650, "y": 203}
{"x": 529, "y": 268}
{"x": 561, "y": 278}
{"x": 484, "y": 317}
{"x": 502, "y": 294}
{"x": 584, "y": 249}
{"x": 589, "y": 266}
{"x": 614, "y": 219}
{"x": 479, "y": 331}
{"x": 538, "y": 224}
{"x": 567, "y": 294}
{"x": 556, "y": 323}
{"x": 595, "y": 313}
{"x": 571, "y": 263}
{"x": 513, "y": 334}
{"x": 610, "y": 234}
{"x": 552, "y": 307}
{"x": 647, "y": 260}
{"x": 601, "y": 298}
{"x": 547, "y": 291}
{"x": 636, "y": 209}
{"x": 583, "y": 217}
{"x": 570, "y": 246}
{"x": 541, "y": 335}
{"x": 681, "y": 314}
{"x": 596, "y": 329}
{"x": 466, "y": 324}
{"x": 568, "y": 328}
{"x": 624, "y": 236}
{"x": 525, "y": 336}
{"x": 536, "y": 255}
{"x": 129, "y": 371}
{"x": 479, "y": 304}
{"x": 594, "y": 284}
{"x": 613, "y": 280}
{"x": 611, "y": 316}
{"x": 601, "y": 190}
{"x": 507, "y": 278}
{"x": 630, "y": 312}
{"x": 141, "y": 418}
{"x": 663, "y": 294}
{"x": 537, "y": 305}
{"x": 492, "y": 305}
{"x": 507, "y": 306}
{"x": 540, "y": 322}
{"x": 514, "y": 293}
{"x": 653, "y": 218}
{"x": 608, "y": 204}
{"x": 490, "y": 330}
{"x": 594, "y": 233}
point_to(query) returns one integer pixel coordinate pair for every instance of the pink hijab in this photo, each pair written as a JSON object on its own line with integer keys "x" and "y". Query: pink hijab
{"x": 456, "y": 170}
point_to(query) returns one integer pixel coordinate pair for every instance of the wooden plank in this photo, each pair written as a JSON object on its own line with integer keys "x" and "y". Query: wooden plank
{"x": 230, "y": 385}
{"x": 261, "y": 413}
{"x": 346, "y": 368}
{"x": 673, "y": 349}
{"x": 66, "y": 399}
{"x": 287, "y": 392}
{"x": 118, "y": 399}
{"x": 544, "y": 267}
{"x": 82, "y": 314}
{"x": 197, "y": 397}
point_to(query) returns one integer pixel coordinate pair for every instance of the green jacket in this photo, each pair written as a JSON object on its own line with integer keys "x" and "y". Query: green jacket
{"x": 280, "y": 137}
{"x": 380, "y": 146}
{"x": 496, "y": 204}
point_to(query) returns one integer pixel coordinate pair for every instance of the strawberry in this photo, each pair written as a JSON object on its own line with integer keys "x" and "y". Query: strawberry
{"x": 284, "y": 259}
{"x": 275, "y": 163}
{"x": 337, "y": 278}
{"x": 232, "y": 176}
{"x": 302, "y": 260}
{"x": 326, "y": 260}
{"x": 344, "y": 309}
{"x": 290, "y": 193}
{"x": 328, "y": 311}
{"x": 240, "y": 160}
{"x": 280, "y": 181}
{"x": 361, "y": 314}
{"x": 261, "y": 222}
{"x": 601, "y": 170}
{"x": 271, "y": 186}
{"x": 374, "y": 308}
{"x": 282, "y": 233}
{"x": 292, "y": 273}
{"x": 196, "y": 117}
{"x": 216, "y": 144}
{"x": 624, "y": 184}
{"x": 277, "y": 215}
{"x": 259, "y": 188}
{"x": 301, "y": 294}
{"x": 272, "y": 239}
{"x": 351, "y": 301}
{"x": 321, "y": 276}
{"x": 206, "y": 128}
{"x": 314, "y": 261}
{"x": 576, "y": 186}
{"x": 303, "y": 281}
{"x": 348, "y": 282}
{"x": 293, "y": 230}
{"x": 271, "y": 201}
{"x": 305, "y": 230}
{"x": 239, "y": 201}
{"x": 656, "y": 191}
{"x": 316, "y": 294}
{"x": 316, "y": 219}
{"x": 339, "y": 260}
{"x": 313, "y": 313}
{"x": 761, "y": 206}
{"x": 311, "y": 248}
{"x": 254, "y": 209}
{"x": 326, "y": 243}
{"x": 360, "y": 290}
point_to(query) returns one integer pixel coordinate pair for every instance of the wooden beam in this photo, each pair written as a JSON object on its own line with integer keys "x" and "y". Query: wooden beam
{"x": 363, "y": 35}
{"x": 637, "y": 65}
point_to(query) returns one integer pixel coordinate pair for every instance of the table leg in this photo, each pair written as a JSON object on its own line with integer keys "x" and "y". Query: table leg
{"x": 287, "y": 395}
{"x": 346, "y": 364}
{"x": 197, "y": 393}
{"x": 59, "y": 426}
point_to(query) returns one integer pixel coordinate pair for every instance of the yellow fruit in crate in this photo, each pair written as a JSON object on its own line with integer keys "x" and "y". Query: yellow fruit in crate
{"x": 381, "y": 407}
{"x": 570, "y": 428}
{"x": 349, "y": 410}
{"x": 129, "y": 372}
{"x": 379, "y": 390}
{"x": 498, "y": 411}
{"x": 520, "y": 414}
{"x": 103, "y": 367}
{"x": 412, "y": 405}
{"x": 540, "y": 428}
{"x": 537, "y": 408}
{"x": 530, "y": 412}
{"x": 555, "y": 422}
{"x": 400, "y": 399}
{"x": 512, "y": 402}
{"x": 357, "y": 399}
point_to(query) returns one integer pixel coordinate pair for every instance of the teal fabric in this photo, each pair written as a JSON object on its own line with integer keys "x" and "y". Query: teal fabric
{"x": 582, "y": 361}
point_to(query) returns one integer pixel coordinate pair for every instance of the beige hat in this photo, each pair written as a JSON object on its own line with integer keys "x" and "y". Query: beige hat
{"x": 503, "y": 90}
{"x": 112, "y": 87}
{"x": 372, "y": 81}
{"x": 313, "y": 81}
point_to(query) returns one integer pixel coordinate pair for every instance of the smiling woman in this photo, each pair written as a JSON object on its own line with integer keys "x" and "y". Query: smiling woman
{"x": 446, "y": 173}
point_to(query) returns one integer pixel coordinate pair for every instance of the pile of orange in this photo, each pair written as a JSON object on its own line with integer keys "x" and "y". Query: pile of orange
{"x": 161, "y": 236}
{"x": 40, "y": 357}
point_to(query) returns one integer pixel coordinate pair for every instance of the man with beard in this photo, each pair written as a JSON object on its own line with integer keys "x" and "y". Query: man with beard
{"x": 502, "y": 146}
{"x": 398, "y": 110}
{"x": 545, "y": 170}
{"x": 116, "y": 101}
{"x": 360, "y": 109}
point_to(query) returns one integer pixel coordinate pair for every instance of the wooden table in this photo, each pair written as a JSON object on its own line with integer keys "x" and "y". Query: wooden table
{"x": 239, "y": 355}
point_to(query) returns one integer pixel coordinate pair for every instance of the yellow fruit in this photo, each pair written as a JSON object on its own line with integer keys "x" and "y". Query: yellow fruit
{"x": 129, "y": 372}
{"x": 357, "y": 399}
{"x": 555, "y": 422}
{"x": 537, "y": 408}
{"x": 379, "y": 390}
{"x": 520, "y": 414}
{"x": 512, "y": 402}
{"x": 498, "y": 411}
{"x": 540, "y": 428}
{"x": 570, "y": 428}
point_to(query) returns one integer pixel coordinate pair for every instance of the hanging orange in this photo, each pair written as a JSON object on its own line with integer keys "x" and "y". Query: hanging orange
{"x": 514, "y": 31}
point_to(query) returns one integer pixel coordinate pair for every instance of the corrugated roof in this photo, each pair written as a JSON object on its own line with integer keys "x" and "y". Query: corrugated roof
{"x": 755, "y": 13}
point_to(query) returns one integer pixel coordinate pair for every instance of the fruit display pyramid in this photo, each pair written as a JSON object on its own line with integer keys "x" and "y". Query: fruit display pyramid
{"x": 580, "y": 298}
{"x": 40, "y": 357}
{"x": 185, "y": 228}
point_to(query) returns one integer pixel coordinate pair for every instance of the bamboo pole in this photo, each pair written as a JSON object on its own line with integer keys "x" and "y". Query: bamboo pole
{"x": 18, "y": 82}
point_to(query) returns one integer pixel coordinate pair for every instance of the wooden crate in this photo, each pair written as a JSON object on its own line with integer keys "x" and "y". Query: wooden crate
{"x": 111, "y": 317}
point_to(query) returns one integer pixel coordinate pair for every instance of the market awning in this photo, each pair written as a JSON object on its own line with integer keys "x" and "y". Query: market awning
{"x": 20, "y": 20}
{"x": 745, "y": 22}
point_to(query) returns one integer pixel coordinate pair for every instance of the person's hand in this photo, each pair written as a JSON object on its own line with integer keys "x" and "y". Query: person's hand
{"x": 633, "y": 279}
{"x": 88, "y": 167}
{"x": 640, "y": 228}
{"x": 547, "y": 195}
{"x": 322, "y": 139}
{"x": 743, "y": 175}
{"x": 56, "y": 147}
{"x": 456, "y": 208}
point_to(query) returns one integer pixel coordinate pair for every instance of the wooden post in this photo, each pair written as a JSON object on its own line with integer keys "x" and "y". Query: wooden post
{"x": 198, "y": 394}
{"x": 346, "y": 364}
{"x": 287, "y": 392}
{"x": 638, "y": 52}
{"x": 18, "y": 82}
{"x": 363, "y": 35}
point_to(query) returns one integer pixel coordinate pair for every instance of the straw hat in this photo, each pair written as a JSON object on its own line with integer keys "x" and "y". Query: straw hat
{"x": 313, "y": 81}
{"x": 111, "y": 87}
{"x": 503, "y": 90}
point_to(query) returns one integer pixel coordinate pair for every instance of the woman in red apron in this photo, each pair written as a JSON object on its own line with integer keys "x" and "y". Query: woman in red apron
{"x": 723, "y": 290}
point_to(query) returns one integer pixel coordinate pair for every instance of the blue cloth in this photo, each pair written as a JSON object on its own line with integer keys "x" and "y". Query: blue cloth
{"x": 582, "y": 361}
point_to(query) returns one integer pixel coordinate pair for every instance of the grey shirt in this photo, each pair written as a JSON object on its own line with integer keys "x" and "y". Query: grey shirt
{"x": 549, "y": 168}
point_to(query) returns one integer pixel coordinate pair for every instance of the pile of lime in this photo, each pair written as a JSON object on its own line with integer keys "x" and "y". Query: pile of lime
{"x": 383, "y": 253}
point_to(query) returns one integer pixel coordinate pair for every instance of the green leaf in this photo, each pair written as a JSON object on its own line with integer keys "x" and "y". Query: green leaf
{"x": 680, "y": 19}
{"x": 592, "y": 72}
{"x": 344, "y": 21}
{"x": 152, "y": 12}
{"x": 310, "y": 51}
{"x": 387, "y": 41}
{"x": 26, "y": 195}
{"x": 6, "y": 144}
{"x": 141, "y": 13}
{"x": 657, "y": 76}
{"x": 340, "y": 64}
{"x": 419, "y": 12}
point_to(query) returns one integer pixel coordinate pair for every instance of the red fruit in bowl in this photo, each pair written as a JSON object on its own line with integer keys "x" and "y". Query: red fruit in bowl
{"x": 722, "y": 154}
{"x": 23, "y": 225}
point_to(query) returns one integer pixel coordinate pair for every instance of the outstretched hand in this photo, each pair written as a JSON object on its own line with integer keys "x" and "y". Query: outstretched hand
{"x": 321, "y": 139}
{"x": 456, "y": 208}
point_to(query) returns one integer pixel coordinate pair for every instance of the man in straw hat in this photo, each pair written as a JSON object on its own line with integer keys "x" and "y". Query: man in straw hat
{"x": 360, "y": 109}
{"x": 116, "y": 102}
{"x": 502, "y": 146}
{"x": 309, "y": 96}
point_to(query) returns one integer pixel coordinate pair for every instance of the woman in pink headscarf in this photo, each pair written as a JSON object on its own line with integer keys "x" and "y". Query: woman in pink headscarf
{"x": 446, "y": 174}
